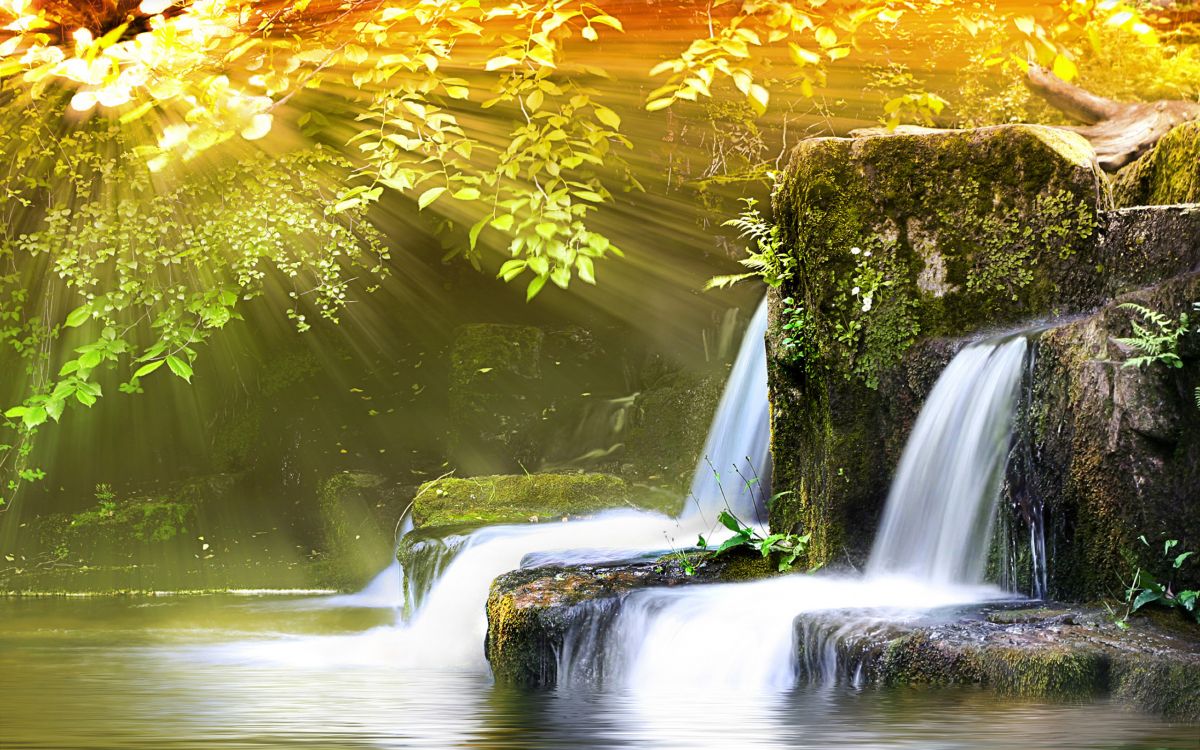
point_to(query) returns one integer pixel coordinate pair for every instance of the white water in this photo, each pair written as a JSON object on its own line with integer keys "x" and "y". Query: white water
{"x": 742, "y": 638}
{"x": 938, "y": 518}
{"x": 448, "y": 627}
{"x": 737, "y": 444}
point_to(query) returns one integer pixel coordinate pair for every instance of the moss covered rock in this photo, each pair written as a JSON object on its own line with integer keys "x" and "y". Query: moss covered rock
{"x": 1064, "y": 655}
{"x": 358, "y": 513}
{"x": 670, "y": 424}
{"x": 519, "y": 498}
{"x": 900, "y": 239}
{"x": 1115, "y": 449}
{"x": 1169, "y": 174}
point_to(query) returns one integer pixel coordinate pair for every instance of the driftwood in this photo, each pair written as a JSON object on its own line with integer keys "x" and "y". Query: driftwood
{"x": 1119, "y": 132}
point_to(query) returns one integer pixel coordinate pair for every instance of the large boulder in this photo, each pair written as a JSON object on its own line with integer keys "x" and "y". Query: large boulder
{"x": 897, "y": 239}
{"x": 1169, "y": 173}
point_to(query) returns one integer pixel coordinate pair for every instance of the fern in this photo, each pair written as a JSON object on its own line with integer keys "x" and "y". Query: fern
{"x": 1156, "y": 337}
{"x": 764, "y": 258}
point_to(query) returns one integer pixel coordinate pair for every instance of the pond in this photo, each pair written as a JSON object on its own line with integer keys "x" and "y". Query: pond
{"x": 293, "y": 671}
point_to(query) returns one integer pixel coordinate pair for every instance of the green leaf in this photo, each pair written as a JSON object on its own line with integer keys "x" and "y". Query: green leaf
{"x": 15, "y": 412}
{"x": 148, "y": 368}
{"x": 429, "y": 196}
{"x": 179, "y": 367}
{"x": 1145, "y": 598}
{"x": 79, "y": 316}
{"x": 534, "y": 287}
{"x": 511, "y": 269}
{"x": 34, "y": 416}
{"x": 730, "y": 521}
{"x": 1181, "y": 558}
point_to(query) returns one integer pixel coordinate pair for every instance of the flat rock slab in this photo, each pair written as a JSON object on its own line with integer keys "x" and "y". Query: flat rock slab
{"x": 1046, "y": 652}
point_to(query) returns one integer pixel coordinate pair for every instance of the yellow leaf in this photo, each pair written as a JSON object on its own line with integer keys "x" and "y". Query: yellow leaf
{"x": 826, "y": 37}
{"x": 496, "y": 63}
{"x": 1064, "y": 68}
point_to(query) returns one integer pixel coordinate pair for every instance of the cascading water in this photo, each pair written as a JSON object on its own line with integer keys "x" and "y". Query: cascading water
{"x": 735, "y": 469}
{"x": 929, "y": 555}
{"x": 938, "y": 517}
{"x": 448, "y": 622}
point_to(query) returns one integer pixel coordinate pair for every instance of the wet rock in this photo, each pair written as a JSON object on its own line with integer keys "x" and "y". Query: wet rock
{"x": 531, "y": 610}
{"x": 1056, "y": 654}
{"x": 1169, "y": 174}
{"x": 1115, "y": 450}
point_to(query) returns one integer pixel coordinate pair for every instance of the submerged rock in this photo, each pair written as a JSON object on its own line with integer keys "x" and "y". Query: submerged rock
{"x": 523, "y": 498}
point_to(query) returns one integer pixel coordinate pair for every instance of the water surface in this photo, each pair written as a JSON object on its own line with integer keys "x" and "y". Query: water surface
{"x": 199, "y": 673}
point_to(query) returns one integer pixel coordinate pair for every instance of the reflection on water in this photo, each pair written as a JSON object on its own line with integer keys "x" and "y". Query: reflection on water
{"x": 182, "y": 673}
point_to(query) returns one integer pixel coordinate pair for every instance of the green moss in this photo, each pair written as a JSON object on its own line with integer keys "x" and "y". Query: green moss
{"x": 1169, "y": 174}
{"x": 897, "y": 239}
{"x": 669, "y": 427}
{"x": 517, "y": 498}
{"x": 1047, "y": 672}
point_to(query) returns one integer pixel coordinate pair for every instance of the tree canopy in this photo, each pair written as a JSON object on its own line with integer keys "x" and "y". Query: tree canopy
{"x": 168, "y": 161}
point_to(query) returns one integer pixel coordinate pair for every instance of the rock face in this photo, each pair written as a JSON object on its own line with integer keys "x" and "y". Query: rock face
{"x": 903, "y": 248}
{"x": 1168, "y": 174}
{"x": 1115, "y": 450}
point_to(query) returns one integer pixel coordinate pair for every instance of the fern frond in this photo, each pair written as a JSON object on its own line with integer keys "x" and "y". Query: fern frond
{"x": 721, "y": 282}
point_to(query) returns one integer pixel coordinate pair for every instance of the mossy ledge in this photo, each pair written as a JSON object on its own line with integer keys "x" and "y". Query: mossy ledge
{"x": 523, "y": 498}
{"x": 905, "y": 249}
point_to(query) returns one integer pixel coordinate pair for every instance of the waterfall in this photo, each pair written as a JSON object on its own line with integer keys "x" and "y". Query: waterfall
{"x": 447, "y": 623}
{"x": 766, "y": 635}
{"x": 735, "y": 468}
{"x": 938, "y": 518}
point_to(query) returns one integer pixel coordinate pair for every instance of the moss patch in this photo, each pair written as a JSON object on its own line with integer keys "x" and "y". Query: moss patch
{"x": 1169, "y": 174}
{"x": 517, "y": 498}
{"x": 898, "y": 239}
